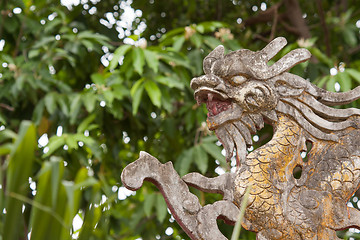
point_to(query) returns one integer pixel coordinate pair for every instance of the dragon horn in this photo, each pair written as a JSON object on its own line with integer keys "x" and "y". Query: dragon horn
{"x": 257, "y": 62}
{"x": 270, "y": 50}
{"x": 216, "y": 54}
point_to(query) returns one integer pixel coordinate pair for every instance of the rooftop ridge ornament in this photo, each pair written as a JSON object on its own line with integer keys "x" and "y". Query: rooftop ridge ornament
{"x": 242, "y": 92}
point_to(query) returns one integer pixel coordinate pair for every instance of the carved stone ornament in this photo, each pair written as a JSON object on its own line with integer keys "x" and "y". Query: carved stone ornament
{"x": 241, "y": 92}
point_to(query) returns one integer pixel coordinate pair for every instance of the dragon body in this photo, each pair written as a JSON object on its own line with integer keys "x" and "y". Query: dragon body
{"x": 242, "y": 93}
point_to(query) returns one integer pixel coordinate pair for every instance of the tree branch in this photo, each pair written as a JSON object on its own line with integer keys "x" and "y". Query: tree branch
{"x": 295, "y": 17}
{"x": 273, "y": 27}
{"x": 265, "y": 16}
{"x": 324, "y": 26}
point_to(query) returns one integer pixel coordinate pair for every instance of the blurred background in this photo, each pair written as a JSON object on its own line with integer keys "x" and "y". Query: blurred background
{"x": 87, "y": 84}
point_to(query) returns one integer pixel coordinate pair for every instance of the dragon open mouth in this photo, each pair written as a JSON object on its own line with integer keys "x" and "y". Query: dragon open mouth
{"x": 215, "y": 105}
{"x": 215, "y": 101}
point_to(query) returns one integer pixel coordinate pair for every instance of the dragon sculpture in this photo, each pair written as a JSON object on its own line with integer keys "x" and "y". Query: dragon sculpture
{"x": 241, "y": 92}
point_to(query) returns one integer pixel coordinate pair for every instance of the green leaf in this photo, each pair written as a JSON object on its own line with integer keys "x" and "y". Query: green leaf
{"x": 50, "y": 202}
{"x": 54, "y": 144}
{"x": 85, "y": 123}
{"x": 213, "y": 150}
{"x": 62, "y": 102}
{"x": 149, "y": 203}
{"x": 71, "y": 141}
{"x": 344, "y": 80}
{"x": 353, "y": 73}
{"x": 161, "y": 208}
{"x": 212, "y": 42}
{"x": 118, "y": 54}
{"x": 55, "y": 178}
{"x": 175, "y": 59}
{"x": 196, "y": 39}
{"x": 17, "y": 180}
{"x": 244, "y": 203}
{"x": 322, "y": 81}
{"x": 178, "y": 43}
{"x": 138, "y": 58}
{"x": 171, "y": 34}
{"x": 75, "y": 104}
{"x": 196, "y": 61}
{"x": 349, "y": 36}
{"x": 50, "y": 102}
{"x": 43, "y": 42}
{"x": 200, "y": 159}
{"x": 209, "y": 26}
{"x": 89, "y": 101}
{"x": 154, "y": 92}
{"x": 152, "y": 60}
{"x": 171, "y": 82}
{"x": 136, "y": 94}
{"x": 330, "y": 84}
{"x": 184, "y": 161}
{"x": 34, "y": 53}
{"x": 38, "y": 112}
{"x": 321, "y": 56}
{"x": 97, "y": 78}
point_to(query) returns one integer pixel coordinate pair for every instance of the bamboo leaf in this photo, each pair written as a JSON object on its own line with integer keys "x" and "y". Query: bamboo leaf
{"x": 236, "y": 233}
{"x": 19, "y": 170}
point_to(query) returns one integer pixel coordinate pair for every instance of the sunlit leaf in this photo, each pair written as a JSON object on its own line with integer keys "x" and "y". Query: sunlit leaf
{"x": 178, "y": 43}
{"x": 118, "y": 54}
{"x": 138, "y": 58}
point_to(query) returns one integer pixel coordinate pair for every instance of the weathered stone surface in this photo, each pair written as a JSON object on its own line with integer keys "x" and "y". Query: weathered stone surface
{"x": 242, "y": 92}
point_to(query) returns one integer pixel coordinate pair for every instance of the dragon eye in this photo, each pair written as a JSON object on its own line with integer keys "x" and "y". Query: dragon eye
{"x": 237, "y": 80}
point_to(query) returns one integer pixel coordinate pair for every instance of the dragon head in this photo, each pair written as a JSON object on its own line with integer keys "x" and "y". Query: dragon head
{"x": 240, "y": 90}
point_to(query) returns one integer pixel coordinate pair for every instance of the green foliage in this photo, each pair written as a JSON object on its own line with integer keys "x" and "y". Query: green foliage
{"x": 99, "y": 101}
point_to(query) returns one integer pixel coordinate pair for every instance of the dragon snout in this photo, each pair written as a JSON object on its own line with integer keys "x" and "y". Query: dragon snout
{"x": 210, "y": 81}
